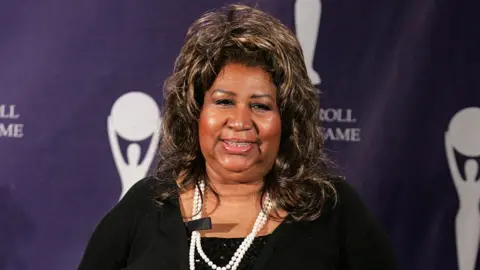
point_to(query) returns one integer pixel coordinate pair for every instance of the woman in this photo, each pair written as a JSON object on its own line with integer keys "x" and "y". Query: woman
{"x": 241, "y": 145}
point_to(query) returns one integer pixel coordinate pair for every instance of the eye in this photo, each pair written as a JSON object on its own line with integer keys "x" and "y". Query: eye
{"x": 260, "y": 106}
{"x": 224, "y": 102}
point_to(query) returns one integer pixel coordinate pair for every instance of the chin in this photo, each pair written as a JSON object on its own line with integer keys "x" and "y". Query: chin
{"x": 236, "y": 168}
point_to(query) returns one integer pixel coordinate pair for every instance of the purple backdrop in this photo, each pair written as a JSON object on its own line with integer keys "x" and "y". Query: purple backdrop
{"x": 394, "y": 73}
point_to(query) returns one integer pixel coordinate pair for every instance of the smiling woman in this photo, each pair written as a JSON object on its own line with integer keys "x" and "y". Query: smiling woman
{"x": 241, "y": 147}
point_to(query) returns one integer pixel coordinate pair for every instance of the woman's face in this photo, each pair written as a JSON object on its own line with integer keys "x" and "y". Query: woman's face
{"x": 239, "y": 125}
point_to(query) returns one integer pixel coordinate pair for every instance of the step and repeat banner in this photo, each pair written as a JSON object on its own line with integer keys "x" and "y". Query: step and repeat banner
{"x": 81, "y": 93}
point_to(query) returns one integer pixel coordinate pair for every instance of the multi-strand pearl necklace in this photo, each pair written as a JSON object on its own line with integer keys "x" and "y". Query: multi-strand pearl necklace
{"x": 195, "y": 241}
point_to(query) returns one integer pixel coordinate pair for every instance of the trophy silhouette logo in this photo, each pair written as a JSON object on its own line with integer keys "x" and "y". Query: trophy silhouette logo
{"x": 135, "y": 117}
{"x": 307, "y": 23}
{"x": 463, "y": 137}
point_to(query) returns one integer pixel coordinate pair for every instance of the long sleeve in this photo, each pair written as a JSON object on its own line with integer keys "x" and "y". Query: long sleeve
{"x": 365, "y": 245}
{"x": 108, "y": 247}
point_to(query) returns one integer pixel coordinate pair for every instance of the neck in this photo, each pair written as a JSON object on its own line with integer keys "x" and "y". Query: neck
{"x": 234, "y": 190}
{"x": 237, "y": 191}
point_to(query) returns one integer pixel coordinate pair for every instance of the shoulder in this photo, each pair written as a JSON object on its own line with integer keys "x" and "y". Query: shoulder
{"x": 141, "y": 198}
{"x": 364, "y": 241}
{"x": 146, "y": 191}
{"x": 142, "y": 188}
{"x": 348, "y": 205}
{"x": 346, "y": 195}
{"x": 117, "y": 229}
{"x": 350, "y": 212}
{"x": 142, "y": 191}
{"x": 145, "y": 187}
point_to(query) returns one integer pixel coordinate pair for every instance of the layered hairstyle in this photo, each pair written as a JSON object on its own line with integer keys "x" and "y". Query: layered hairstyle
{"x": 298, "y": 182}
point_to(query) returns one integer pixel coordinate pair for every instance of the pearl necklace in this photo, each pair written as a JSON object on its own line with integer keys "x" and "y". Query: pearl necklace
{"x": 195, "y": 241}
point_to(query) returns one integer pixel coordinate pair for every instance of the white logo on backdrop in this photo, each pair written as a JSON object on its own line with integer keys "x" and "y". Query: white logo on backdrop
{"x": 11, "y": 128}
{"x": 463, "y": 136}
{"x": 307, "y": 23}
{"x": 134, "y": 117}
{"x": 341, "y": 120}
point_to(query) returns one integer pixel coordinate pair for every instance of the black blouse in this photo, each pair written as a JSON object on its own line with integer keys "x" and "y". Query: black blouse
{"x": 221, "y": 250}
{"x": 139, "y": 235}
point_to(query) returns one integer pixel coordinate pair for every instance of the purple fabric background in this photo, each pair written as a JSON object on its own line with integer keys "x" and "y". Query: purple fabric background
{"x": 403, "y": 68}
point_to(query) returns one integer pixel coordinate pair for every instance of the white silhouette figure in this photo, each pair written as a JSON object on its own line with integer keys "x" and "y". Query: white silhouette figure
{"x": 307, "y": 23}
{"x": 135, "y": 116}
{"x": 463, "y": 135}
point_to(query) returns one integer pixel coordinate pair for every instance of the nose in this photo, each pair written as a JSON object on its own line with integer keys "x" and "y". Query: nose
{"x": 240, "y": 119}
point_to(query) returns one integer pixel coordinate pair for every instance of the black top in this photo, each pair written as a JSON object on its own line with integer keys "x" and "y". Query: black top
{"x": 138, "y": 235}
{"x": 221, "y": 250}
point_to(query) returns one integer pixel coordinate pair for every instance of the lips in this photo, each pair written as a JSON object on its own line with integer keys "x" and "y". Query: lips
{"x": 237, "y": 146}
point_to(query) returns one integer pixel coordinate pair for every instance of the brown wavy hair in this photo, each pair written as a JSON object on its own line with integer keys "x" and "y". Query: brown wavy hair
{"x": 299, "y": 182}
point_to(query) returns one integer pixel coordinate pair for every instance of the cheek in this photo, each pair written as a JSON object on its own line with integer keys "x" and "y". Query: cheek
{"x": 210, "y": 123}
{"x": 271, "y": 130}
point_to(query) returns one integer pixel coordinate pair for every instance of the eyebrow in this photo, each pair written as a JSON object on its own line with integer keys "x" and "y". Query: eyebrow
{"x": 230, "y": 93}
